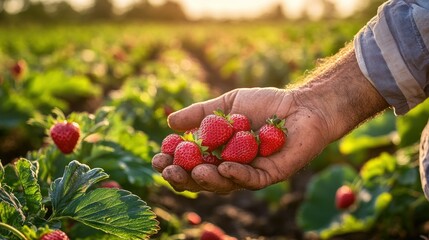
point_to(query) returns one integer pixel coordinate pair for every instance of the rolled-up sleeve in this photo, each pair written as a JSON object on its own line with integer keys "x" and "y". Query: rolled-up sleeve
{"x": 392, "y": 51}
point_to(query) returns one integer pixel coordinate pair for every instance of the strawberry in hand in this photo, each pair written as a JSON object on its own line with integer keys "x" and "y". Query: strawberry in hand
{"x": 65, "y": 135}
{"x": 272, "y": 136}
{"x": 215, "y": 130}
{"x": 241, "y": 148}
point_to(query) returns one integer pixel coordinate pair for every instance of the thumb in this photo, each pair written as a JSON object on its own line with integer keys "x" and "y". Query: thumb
{"x": 191, "y": 116}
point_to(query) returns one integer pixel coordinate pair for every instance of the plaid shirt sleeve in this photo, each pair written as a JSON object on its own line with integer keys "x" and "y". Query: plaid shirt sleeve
{"x": 393, "y": 52}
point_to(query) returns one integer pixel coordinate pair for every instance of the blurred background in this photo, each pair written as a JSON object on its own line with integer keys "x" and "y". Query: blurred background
{"x": 133, "y": 62}
{"x": 183, "y": 10}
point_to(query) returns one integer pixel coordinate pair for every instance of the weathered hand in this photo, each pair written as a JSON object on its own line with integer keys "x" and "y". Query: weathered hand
{"x": 306, "y": 138}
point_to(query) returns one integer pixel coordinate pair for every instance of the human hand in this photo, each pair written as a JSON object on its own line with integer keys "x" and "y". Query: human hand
{"x": 307, "y": 136}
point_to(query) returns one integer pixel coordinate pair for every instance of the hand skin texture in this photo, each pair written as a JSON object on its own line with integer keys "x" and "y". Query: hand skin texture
{"x": 334, "y": 101}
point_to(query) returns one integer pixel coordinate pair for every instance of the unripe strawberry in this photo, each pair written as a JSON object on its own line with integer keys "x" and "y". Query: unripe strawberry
{"x": 169, "y": 144}
{"x": 242, "y": 148}
{"x": 240, "y": 122}
{"x": 55, "y": 235}
{"x": 215, "y": 130}
{"x": 344, "y": 197}
{"x": 272, "y": 136}
{"x": 65, "y": 135}
{"x": 110, "y": 184}
{"x": 188, "y": 155}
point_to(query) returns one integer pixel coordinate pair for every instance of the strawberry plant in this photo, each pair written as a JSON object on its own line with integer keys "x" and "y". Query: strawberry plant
{"x": 27, "y": 213}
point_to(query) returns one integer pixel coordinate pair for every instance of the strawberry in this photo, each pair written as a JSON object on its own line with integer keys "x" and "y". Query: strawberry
{"x": 55, "y": 235}
{"x": 215, "y": 130}
{"x": 110, "y": 184}
{"x": 17, "y": 70}
{"x": 192, "y": 218}
{"x": 240, "y": 122}
{"x": 272, "y": 136}
{"x": 242, "y": 147}
{"x": 188, "y": 154}
{"x": 167, "y": 109}
{"x": 344, "y": 197}
{"x": 65, "y": 135}
{"x": 211, "y": 159}
{"x": 170, "y": 143}
{"x": 212, "y": 232}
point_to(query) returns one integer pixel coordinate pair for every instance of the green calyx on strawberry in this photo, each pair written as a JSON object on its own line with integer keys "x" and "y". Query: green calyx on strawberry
{"x": 189, "y": 153}
{"x": 241, "y": 148}
{"x": 215, "y": 130}
{"x": 272, "y": 136}
{"x": 65, "y": 135}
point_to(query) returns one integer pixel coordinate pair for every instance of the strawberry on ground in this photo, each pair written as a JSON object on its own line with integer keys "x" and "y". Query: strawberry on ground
{"x": 215, "y": 130}
{"x": 18, "y": 69}
{"x": 344, "y": 197}
{"x": 169, "y": 144}
{"x": 110, "y": 184}
{"x": 272, "y": 136}
{"x": 65, "y": 135}
{"x": 192, "y": 218}
{"x": 212, "y": 232}
{"x": 241, "y": 148}
{"x": 240, "y": 122}
{"x": 55, "y": 235}
{"x": 188, "y": 154}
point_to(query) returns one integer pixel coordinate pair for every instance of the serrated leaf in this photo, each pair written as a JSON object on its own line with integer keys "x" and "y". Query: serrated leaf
{"x": 77, "y": 178}
{"x": 113, "y": 211}
{"x": 27, "y": 175}
{"x": 10, "y": 207}
{"x": 1, "y": 172}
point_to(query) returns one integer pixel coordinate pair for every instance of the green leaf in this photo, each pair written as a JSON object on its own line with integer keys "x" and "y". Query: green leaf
{"x": 318, "y": 211}
{"x": 373, "y": 134}
{"x": 27, "y": 174}
{"x": 383, "y": 165}
{"x": 76, "y": 180}
{"x": 1, "y": 173}
{"x": 411, "y": 125}
{"x": 113, "y": 211}
{"x": 10, "y": 207}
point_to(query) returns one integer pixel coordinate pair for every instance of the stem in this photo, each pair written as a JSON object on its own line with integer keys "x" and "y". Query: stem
{"x": 13, "y": 230}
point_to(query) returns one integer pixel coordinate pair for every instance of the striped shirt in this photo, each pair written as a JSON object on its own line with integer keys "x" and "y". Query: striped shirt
{"x": 392, "y": 51}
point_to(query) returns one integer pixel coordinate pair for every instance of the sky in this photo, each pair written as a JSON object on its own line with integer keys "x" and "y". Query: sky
{"x": 231, "y": 9}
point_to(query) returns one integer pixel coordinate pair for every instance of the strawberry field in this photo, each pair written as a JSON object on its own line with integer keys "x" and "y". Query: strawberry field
{"x": 117, "y": 83}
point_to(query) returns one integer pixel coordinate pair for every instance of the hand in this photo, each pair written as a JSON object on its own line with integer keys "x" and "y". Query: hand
{"x": 307, "y": 136}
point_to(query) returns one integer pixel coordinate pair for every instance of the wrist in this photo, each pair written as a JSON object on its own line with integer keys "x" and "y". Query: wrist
{"x": 340, "y": 95}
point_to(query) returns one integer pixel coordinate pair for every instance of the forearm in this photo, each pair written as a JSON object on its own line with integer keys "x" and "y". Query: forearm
{"x": 340, "y": 94}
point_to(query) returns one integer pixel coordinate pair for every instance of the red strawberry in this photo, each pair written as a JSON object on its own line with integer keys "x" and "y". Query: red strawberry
{"x": 18, "y": 69}
{"x": 212, "y": 232}
{"x": 242, "y": 148}
{"x": 55, "y": 235}
{"x": 167, "y": 110}
{"x": 344, "y": 197}
{"x": 110, "y": 184}
{"x": 192, "y": 218}
{"x": 272, "y": 136}
{"x": 240, "y": 122}
{"x": 65, "y": 135}
{"x": 188, "y": 155}
{"x": 215, "y": 130}
{"x": 170, "y": 143}
{"x": 212, "y": 159}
